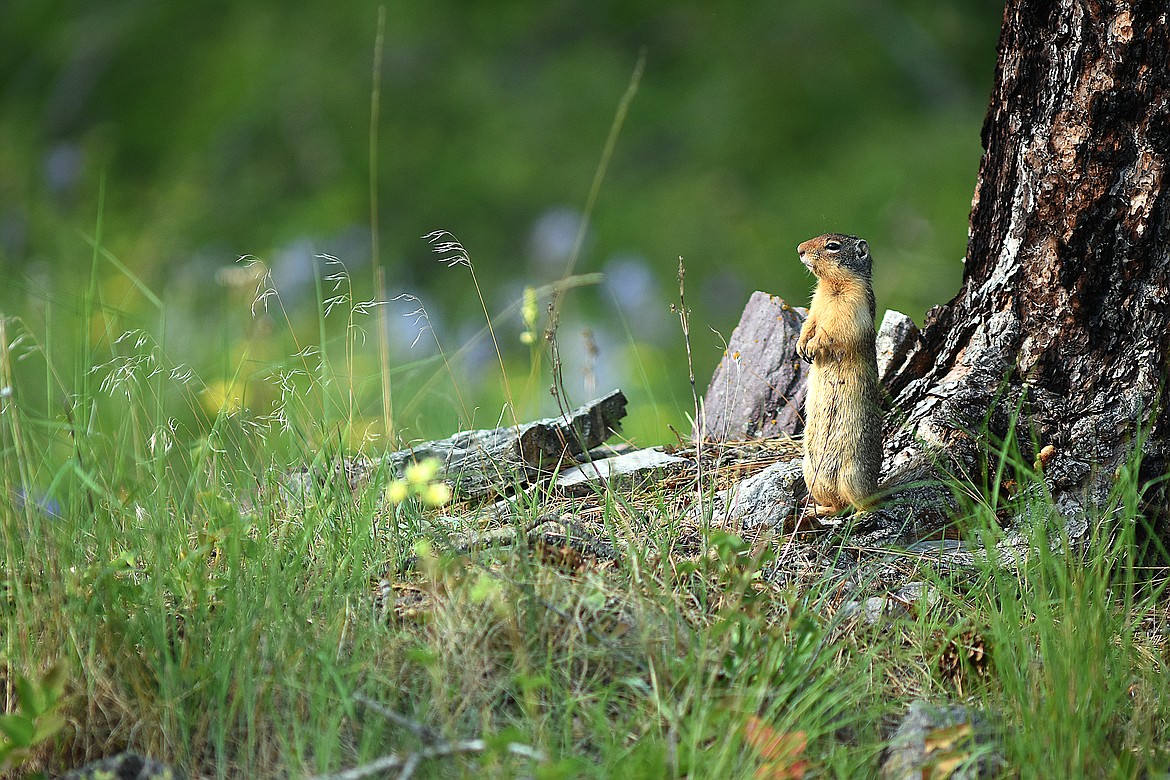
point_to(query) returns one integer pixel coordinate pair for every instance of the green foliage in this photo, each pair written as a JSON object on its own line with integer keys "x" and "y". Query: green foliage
{"x": 36, "y": 719}
{"x": 1066, "y": 624}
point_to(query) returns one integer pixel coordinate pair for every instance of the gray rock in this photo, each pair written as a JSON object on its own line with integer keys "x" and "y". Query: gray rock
{"x": 763, "y": 500}
{"x": 125, "y": 766}
{"x": 897, "y": 335}
{"x": 891, "y": 606}
{"x": 758, "y": 388}
{"x": 935, "y": 737}
{"x": 483, "y": 463}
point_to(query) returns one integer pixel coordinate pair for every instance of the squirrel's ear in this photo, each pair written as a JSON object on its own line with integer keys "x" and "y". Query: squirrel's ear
{"x": 862, "y": 249}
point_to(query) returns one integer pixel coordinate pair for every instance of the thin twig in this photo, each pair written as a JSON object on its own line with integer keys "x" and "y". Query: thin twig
{"x": 383, "y": 764}
{"x": 72, "y": 429}
{"x": 684, "y": 318}
{"x": 412, "y": 762}
{"x": 424, "y": 733}
{"x": 375, "y": 255}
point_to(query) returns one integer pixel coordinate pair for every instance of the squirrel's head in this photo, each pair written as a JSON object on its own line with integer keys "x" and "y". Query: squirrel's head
{"x": 837, "y": 257}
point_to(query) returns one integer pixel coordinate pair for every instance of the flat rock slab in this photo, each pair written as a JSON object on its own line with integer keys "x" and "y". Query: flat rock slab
{"x": 638, "y": 463}
{"x": 482, "y": 463}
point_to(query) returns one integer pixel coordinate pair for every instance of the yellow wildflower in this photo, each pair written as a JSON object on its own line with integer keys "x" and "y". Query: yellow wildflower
{"x": 436, "y": 494}
{"x": 397, "y": 491}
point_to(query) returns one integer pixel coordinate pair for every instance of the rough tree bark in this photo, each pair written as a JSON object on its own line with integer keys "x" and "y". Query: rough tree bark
{"x": 1065, "y": 301}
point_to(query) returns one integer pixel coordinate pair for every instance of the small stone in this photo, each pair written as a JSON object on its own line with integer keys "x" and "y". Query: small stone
{"x": 896, "y": 336}
{"x": 950, "y": 741}
{"x": 891, "y": 606}
{"x": 125, "y": 766}
{"x": 763, "y": 500}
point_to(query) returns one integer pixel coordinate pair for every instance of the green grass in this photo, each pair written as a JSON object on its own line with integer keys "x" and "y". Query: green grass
{"x": 1077, "y": 627}
{"x": 204, "y": 616}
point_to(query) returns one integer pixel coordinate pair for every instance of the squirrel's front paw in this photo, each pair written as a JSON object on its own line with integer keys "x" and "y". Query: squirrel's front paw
{"x": 806, "y": 347}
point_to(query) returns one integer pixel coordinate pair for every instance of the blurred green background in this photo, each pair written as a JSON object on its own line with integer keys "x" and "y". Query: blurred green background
{"x": 191, "y": 134}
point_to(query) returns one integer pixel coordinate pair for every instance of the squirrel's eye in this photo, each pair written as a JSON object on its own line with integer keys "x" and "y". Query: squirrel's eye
{"x": 833, "y": 246}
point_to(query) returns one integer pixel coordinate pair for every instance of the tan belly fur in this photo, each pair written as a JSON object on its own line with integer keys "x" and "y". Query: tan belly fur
{"x": 842, "y": 442}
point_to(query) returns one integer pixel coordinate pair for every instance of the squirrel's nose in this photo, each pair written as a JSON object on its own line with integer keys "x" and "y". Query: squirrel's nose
{"x": 800, "y": 250}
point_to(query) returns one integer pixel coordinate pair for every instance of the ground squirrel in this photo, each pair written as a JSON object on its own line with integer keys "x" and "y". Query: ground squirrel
{"x": 842, "y": 412}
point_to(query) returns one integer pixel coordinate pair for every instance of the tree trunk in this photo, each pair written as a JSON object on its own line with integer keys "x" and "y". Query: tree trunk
{"x": 1063, "y": 311}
